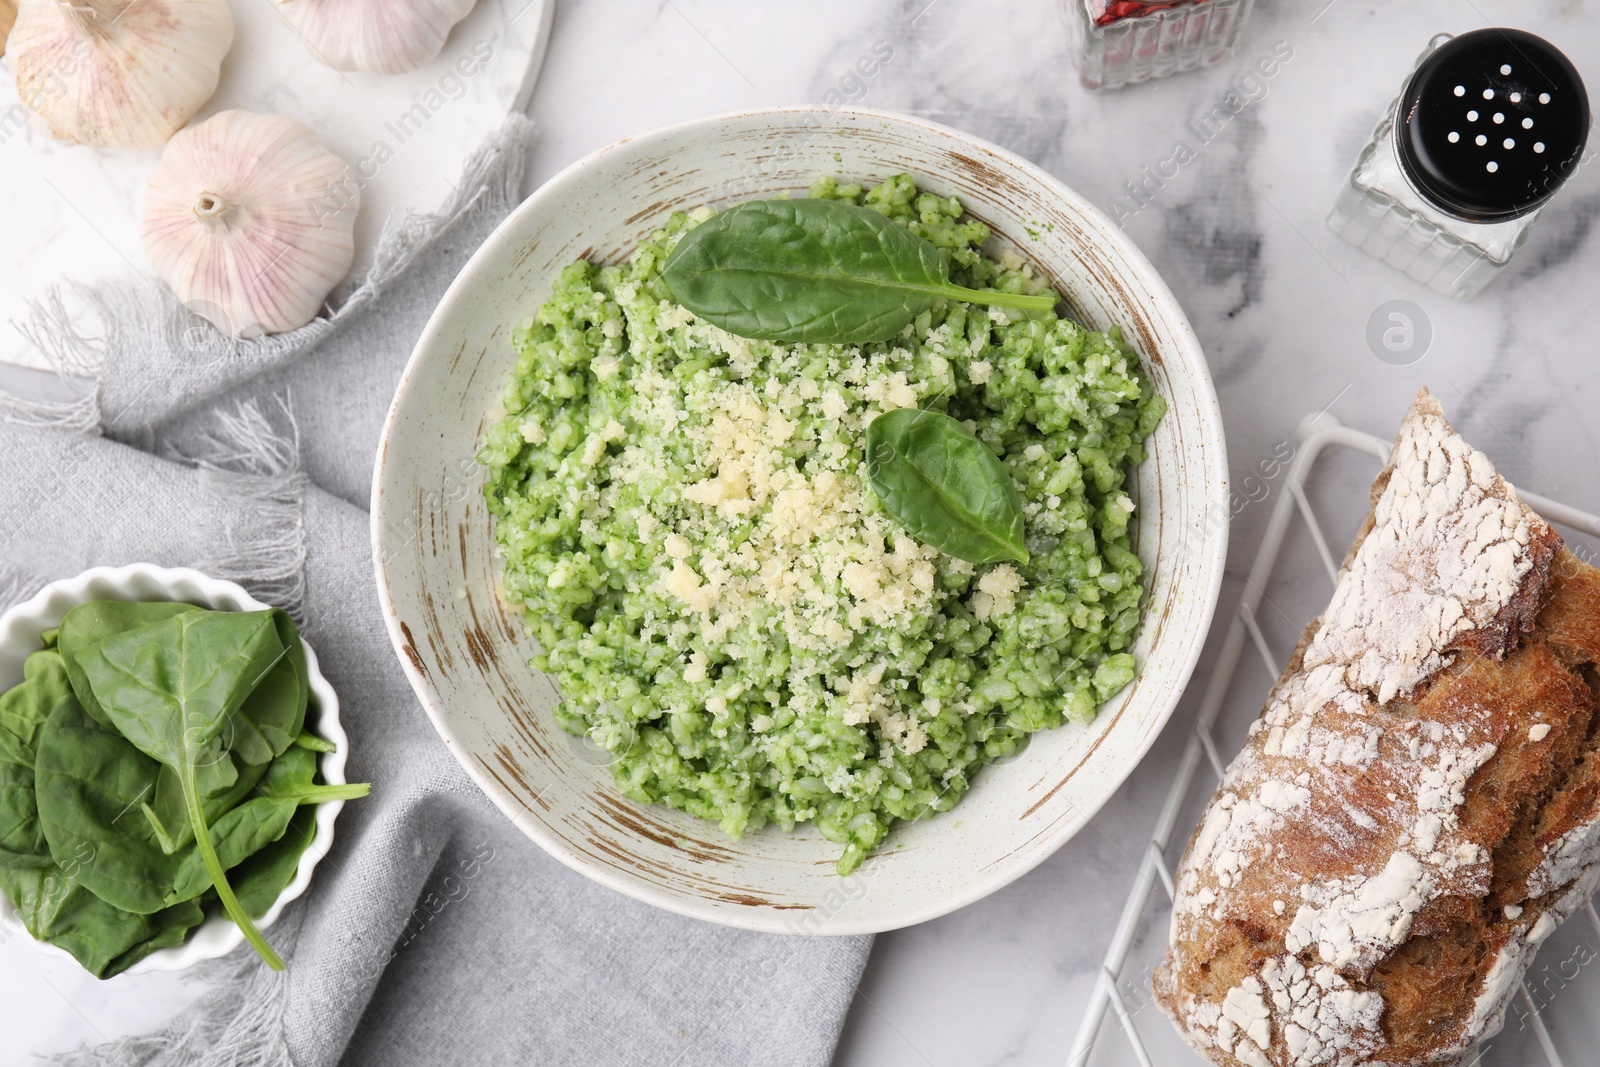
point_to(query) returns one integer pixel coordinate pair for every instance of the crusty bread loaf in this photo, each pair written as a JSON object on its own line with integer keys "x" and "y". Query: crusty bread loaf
{"x": 1418, "y": 806}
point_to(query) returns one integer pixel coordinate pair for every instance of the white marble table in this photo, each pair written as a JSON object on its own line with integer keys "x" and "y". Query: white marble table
{"x": 1281, "y": 306}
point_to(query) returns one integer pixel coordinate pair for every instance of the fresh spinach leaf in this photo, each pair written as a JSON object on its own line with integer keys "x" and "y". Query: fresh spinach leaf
{"x": 292, "y": 780}
{"x": 25, "y": 707}
{"x": 254, "y": 825}
{"x": 170, "y": 926}
{"x": 22, "y": 842}
{"x": 89, "y": 782}
{"x": 217, "y": 795}
{"x": 944, "y": 487}
{"x": 169, "y": 688}
{"x": 315, "y": 743}
{"x": 23, "y": 711}
{"x": 241, "y": 832}
{"x": 263, "y": 877}
{"x": 106, "y": 940}
{"x": 817, "y": 271}
{"x": 95, "y": 620}
{"x": 53, "y": 905}
{"x": 275, "y": 710}
{"x": 268, "y": 722}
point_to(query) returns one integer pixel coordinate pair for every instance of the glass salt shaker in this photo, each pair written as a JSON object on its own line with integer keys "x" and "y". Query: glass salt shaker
{"x": 1121, "y": 42}
{"x": 1488, "y": 127}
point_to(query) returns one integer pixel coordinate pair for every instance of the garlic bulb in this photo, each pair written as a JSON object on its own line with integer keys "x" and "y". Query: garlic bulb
{"x": 118, "y": 73}
{"x": 249, "y": 219}
{"x": 383, "y": 36}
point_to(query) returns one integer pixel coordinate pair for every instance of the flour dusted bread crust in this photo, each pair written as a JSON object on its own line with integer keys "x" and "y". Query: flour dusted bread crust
{"x": 1418, "y": 806}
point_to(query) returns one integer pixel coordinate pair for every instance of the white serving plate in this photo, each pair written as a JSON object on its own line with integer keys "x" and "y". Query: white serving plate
{"x": 72, "y": 212}
{"x": 20, "y": 634}
{"x": 465, "y": 650}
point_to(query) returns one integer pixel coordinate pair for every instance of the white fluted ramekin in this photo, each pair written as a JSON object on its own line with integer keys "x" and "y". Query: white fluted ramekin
{"x": 21, "y": 630}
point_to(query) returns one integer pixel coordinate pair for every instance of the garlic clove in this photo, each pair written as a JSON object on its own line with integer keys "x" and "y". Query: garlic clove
{"x": 118, "y": 73}
{"x": 250, "y": 220}
{"x": 382, "y": 36}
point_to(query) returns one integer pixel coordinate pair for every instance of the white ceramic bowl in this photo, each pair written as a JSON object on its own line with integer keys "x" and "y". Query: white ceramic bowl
{"x": 20, "y": 634}
{"x": 466, "y": 651}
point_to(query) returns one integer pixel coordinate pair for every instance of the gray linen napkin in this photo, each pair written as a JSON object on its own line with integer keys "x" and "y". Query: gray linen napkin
{"x": 434, "y": 932}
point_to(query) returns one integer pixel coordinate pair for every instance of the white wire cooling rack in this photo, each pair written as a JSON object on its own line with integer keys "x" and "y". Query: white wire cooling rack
{"x": 1315, "y": 433}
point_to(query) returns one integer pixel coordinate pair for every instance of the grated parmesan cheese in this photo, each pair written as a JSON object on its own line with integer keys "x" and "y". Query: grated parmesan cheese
{"x": 671, "y": 316}
{"x": 822, "y": 563}
{"x": 997, "y": 592}
{"x": 677, "y": 546}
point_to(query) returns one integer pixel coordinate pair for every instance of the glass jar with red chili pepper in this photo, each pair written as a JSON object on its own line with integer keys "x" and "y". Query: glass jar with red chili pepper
{"x": 1121, "y": 42}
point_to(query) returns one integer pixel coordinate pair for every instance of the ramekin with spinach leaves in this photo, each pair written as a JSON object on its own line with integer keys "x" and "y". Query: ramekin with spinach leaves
{"x": 156, "y": 766}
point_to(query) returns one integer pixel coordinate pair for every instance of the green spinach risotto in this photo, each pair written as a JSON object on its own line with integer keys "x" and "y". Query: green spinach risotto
{"x": 686, "y": 517}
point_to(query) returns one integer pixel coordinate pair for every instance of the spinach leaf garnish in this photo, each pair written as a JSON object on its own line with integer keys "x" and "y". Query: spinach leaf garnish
{"x": 816, "y": 271}
{"x": 944, "y": 487}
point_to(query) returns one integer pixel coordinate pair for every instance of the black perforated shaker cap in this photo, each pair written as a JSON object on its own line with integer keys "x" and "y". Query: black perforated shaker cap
{"x": 1491, "y": 124}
